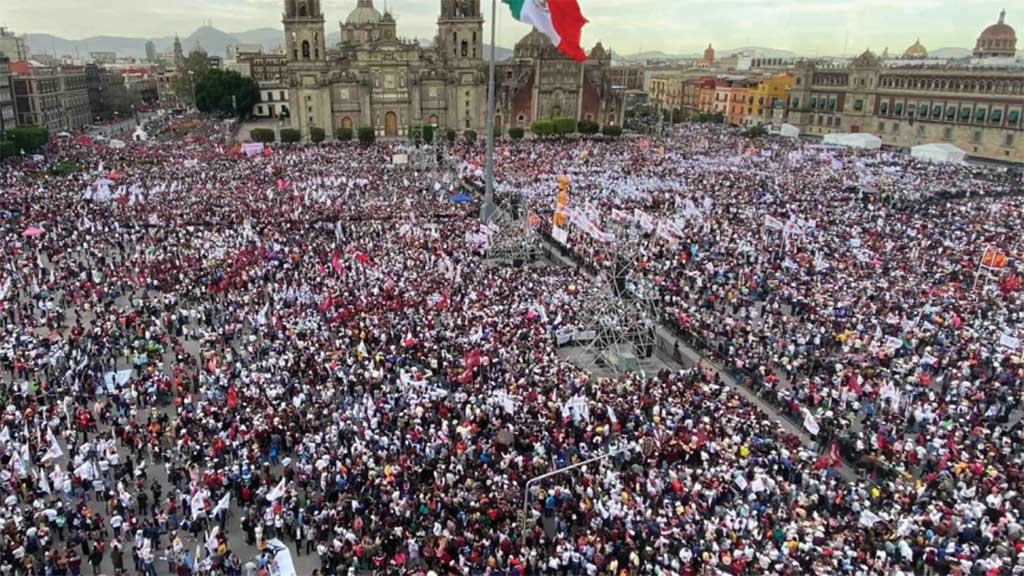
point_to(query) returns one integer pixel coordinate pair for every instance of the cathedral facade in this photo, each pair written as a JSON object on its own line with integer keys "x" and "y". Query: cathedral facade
{"x": 375, "y": 78}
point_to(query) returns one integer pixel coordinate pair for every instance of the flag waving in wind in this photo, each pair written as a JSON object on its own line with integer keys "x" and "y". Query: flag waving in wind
{"x": 559, "y": 20}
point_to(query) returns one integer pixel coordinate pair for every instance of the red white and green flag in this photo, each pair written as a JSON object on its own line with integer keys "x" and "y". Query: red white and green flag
{"x": 560, "y": 20}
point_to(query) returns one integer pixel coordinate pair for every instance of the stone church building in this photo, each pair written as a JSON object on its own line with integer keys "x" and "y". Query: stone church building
{"x": 375, "y": 78}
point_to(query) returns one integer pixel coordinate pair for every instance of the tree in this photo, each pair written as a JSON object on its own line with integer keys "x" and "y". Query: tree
{"x": 317, "y": 135}
{"x": 450, "y": 136}
{"x": 227, "y": 93}
{"x": 194, "y": 69}
{"x": 265, "y": 135}
{"x": 516, "y": 133}
{"x": 679, "y": 116}
{"x": 612, "y": 131}
{"x": 8, "y": 149}
{"x": 588, "y": 127}
{"x": 367, "y": 135}
{"x": 290, "y": 135}
{"x": 543, "y": 127}
{"x": 758, "y": 131}
{"x": 428, "y": 133}
{"x": 470, "y": 135}
{"x": 565, "y": 126}
{"x": 343, "y": 134}
{"x": 28, "y": 138}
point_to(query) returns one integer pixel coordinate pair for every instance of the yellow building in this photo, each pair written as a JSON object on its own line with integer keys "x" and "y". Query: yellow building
{"x": 764, "y": 96}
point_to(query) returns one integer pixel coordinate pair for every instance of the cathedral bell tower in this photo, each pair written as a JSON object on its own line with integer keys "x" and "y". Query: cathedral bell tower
{"x": 460, "y": 30}
{"x": 309, "y": 98}
{"x": 304, "y": 31}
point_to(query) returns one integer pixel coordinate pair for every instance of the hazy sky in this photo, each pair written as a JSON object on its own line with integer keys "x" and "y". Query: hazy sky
{"x": 806, "y": 26}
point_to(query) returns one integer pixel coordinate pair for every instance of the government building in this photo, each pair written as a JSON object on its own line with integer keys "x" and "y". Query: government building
{"x": 375, "y": 78}
{"x": 976, "y": 103}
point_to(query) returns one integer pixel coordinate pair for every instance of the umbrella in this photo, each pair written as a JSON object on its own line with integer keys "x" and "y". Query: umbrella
{"x": 32, "y": 232}
{"x": 115, "y": 175}
{"x": 461, "y": 198}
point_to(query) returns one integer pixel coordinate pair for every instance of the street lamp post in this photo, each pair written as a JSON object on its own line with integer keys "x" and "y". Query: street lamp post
{"x": 532, "y": 481}
{"x": 192, "y": 83}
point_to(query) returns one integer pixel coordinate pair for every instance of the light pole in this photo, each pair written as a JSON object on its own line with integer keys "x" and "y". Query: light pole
{"x": 192, "y": 83}
{"x": 487, "y": 210}
{"x": 532, "y": 481}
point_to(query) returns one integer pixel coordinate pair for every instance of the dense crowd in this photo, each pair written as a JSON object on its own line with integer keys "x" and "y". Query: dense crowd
{"x": 209, "y": 357}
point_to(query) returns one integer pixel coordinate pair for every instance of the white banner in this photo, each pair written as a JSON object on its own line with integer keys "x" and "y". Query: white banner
{"x": 560, "y": 235}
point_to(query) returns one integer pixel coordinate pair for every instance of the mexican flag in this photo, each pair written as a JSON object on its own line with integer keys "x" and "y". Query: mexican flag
{"x": 559, "y": 20}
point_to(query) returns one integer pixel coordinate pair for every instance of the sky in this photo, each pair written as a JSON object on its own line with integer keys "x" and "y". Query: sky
{"x": 809, "y": 27}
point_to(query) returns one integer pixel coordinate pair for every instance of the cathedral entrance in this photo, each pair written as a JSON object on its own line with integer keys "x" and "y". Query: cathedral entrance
{"x": 390, "y": 125}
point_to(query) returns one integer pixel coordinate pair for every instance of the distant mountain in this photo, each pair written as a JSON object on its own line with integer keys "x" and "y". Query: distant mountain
{"x": 214, "y": 41}
{"x": 47, "y": 44}
{"x": 950, "y": 53}
{"x": 211, "y": 39}
{"x": 658, "y": 55}
{"x": 269, "y": 38}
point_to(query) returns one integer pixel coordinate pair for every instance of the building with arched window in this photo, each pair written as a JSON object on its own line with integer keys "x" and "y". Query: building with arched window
{"x": 373, "y": 77}
{"x": 977, "y": 106}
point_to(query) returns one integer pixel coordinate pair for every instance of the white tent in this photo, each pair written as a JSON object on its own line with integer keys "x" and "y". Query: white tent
{"x": 787, "y": 130}
{"x": 854, "y": 140}
{"x": 939, "y": 152}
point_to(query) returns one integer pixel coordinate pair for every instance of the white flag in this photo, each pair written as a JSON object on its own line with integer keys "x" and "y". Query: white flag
{"x": 54, "y": 451}
{"x": 810, "y": 423}
{"x": 277, "y": 492}
{"x": 223, "y": 505}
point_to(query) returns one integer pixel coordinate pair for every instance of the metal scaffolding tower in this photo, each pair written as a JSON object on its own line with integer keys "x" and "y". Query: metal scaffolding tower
{"x": 619, "y": 319}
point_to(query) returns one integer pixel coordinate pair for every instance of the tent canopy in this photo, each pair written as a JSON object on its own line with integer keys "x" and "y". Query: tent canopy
{"x": 461, "y": 198}
{"x": 787, "y": 130}
{"x": 854, "y": 140}
{"x": 938, "y": 152}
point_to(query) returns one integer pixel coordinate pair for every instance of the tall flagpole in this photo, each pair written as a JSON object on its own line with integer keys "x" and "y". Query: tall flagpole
{"x": 488, "y": 208}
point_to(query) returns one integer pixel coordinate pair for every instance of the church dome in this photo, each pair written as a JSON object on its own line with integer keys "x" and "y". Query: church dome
{"x": 999, "y": 31}
{"x": 916, "y": 51}
{"x": 363, "y": 14}
{"x": 534, "y": 45}
{"x": 998, "y": 40}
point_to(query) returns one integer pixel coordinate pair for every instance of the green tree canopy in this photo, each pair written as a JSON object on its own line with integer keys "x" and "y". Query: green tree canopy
{"x": 227, "y": 93}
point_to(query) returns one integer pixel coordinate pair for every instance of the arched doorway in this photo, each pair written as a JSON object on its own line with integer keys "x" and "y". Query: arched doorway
{"x": 498, "y": 123}
{"x": 346, "y": 123}
{"x": 390, "y": 125}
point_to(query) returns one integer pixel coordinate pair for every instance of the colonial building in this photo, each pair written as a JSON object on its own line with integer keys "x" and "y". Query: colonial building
{"x": 50, "y": 97}
{"x": 977, "y": 108}
{"x": 12, "y": 45}
{"x": 7, "y": 117}
{"x": 540, "y": 82}
{"x": 273, "y": 101}
{"x": 265, "y": 67}
{"x": 375, "y": 78}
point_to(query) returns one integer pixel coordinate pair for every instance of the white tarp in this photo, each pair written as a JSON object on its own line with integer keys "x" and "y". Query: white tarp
{"x": 938, "y": 152}
{"x": 787, "y": 130}
{"x": 116, "y": 144}
{"x": 140, "y": 135}
{"x": 854, "y": 140}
